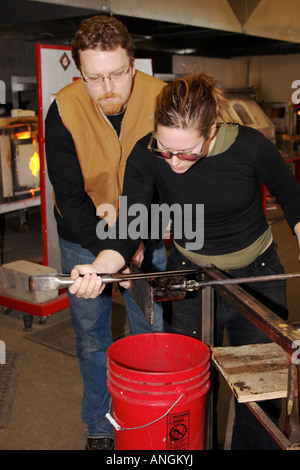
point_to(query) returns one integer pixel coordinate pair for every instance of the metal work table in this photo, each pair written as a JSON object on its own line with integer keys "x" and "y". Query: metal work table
{"x": 282, "y": 333}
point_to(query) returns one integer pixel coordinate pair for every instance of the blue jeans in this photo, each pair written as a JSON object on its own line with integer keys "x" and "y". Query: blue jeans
{"x": 183, "y": 317}
{"x": 91, "y": 319}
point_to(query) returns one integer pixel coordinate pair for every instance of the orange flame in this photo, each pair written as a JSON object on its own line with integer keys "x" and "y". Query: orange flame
{"x": 34, "y": 164}
{"x": 23, "y": 135}
{"x": 33, "y": 191}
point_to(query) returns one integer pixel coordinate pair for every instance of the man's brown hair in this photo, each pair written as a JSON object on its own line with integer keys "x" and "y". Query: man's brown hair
{"x": 103, "y": 33}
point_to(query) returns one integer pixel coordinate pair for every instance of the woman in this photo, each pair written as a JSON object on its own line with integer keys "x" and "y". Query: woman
{"x": 194, "y": 158}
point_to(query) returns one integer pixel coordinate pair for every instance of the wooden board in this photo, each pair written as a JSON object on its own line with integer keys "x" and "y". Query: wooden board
{"x": 254, "y": 372}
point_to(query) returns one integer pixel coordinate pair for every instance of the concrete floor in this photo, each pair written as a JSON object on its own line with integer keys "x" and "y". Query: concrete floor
{"x": 46, "y": 408}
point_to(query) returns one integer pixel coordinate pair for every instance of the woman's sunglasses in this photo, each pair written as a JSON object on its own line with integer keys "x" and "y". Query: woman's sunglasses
{"x": 167, "y": 155}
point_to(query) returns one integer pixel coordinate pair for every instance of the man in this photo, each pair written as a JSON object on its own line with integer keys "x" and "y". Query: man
{"x": 90, "y": 130}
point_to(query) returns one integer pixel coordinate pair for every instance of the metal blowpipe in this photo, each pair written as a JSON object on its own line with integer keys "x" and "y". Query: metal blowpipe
{"x": 60, "y": 281}
{"x": 194, "y": 285}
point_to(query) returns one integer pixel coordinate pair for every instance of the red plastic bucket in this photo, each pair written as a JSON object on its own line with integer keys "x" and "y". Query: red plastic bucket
{"x": 158, "y": 384}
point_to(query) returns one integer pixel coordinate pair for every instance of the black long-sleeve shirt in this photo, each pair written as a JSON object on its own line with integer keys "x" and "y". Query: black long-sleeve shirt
{"x": 79, "y": 220}
{"x": 226, "y": 184}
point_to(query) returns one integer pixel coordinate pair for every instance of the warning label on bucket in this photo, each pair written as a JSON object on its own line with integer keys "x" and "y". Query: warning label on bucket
{"x": 178, "y": 431}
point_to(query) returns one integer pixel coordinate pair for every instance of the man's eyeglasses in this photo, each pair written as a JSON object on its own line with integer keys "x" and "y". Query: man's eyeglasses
{"x": 167, "y": 155}
{"x": 114, "y": 77}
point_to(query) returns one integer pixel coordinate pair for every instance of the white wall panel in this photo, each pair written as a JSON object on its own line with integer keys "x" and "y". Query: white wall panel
{"x": 232, "y": 73}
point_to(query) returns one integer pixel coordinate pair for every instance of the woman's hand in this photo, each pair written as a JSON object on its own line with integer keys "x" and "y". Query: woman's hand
{"x": 139, "y": 254}
{"x": 297, "y": 232}
{"x": 138, "y": 258}
{"x": 87, "y": 283}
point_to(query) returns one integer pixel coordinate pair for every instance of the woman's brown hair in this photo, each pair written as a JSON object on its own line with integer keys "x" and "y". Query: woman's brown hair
{"x": 104, "y": 33}
{"x": 194, "y": 101}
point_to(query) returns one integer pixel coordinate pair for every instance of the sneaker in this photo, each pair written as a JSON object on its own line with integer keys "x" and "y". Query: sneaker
{"x": 99, "y": 443}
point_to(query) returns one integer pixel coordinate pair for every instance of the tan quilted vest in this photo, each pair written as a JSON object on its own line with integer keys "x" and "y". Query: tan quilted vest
{"x": 102, "y": 155}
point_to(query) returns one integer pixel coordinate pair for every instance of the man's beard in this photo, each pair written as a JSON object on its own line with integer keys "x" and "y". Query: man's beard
{"x": 110, "y": 107}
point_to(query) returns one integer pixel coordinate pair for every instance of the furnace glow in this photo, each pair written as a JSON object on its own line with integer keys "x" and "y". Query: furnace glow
{"x": 34, "y": 164}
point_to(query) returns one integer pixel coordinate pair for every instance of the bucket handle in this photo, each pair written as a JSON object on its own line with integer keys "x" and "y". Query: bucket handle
{"x": 119, "y": 428}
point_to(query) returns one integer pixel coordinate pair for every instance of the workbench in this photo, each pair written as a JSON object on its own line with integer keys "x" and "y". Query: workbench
{"x": 253, "y": 372}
